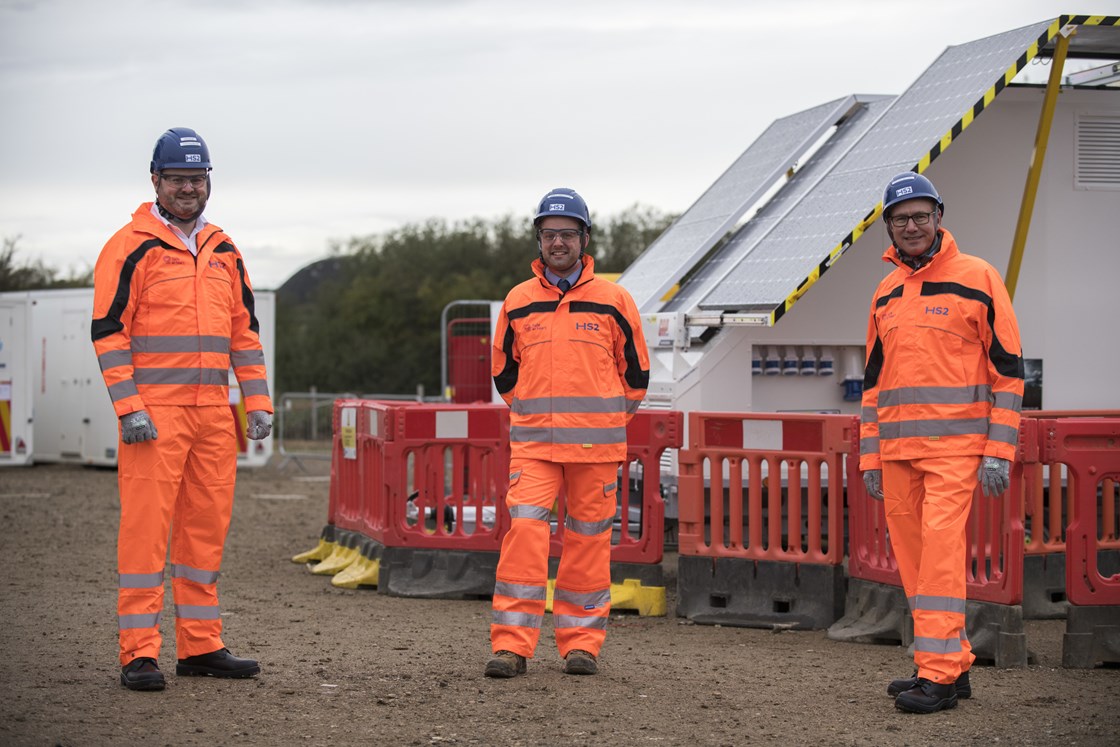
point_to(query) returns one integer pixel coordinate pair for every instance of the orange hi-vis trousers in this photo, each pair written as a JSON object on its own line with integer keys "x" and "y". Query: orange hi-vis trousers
{"x": 182, "y": 480}
{"x": 581, "y": 600}
{"x": 927, "y": 503}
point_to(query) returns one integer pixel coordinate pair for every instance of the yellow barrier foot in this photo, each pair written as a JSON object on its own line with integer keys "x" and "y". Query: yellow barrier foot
{"x": 317, "y": 553}
{"x": 362, "y": 572}
{"x": 339, "y": 559}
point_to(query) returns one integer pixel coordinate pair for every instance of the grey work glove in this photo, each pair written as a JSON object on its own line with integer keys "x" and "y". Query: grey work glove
{"x": 137, "y": 427}
{"x": 995, "y": 475}
{"x": 873, "y": 480}
{"x": 260, "y": 425}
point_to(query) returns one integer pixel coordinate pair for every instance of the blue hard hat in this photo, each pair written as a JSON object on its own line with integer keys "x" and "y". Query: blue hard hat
{"x": 180, "y": 148}
{"x": 908, "y": 186}
{"x": 563, "y": 202}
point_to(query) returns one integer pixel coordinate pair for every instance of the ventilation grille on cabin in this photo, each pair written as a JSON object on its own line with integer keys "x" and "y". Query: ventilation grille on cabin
{"x": 1098, "y": 152}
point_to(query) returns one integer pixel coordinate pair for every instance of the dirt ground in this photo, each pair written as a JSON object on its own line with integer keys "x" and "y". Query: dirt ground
{"x": 358, "y": 667}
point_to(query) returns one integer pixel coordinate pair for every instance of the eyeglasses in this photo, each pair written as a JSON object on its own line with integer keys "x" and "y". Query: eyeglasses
{"x": 568, "y": 236}
{"x": 178, "y": 182}
{"x": 920, "y": 219}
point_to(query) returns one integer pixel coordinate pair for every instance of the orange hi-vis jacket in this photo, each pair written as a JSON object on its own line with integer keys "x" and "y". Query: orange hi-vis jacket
{"x": 573, "y": 367}
{"x": 167, "y": 325}
{"x": 944, "y": 373}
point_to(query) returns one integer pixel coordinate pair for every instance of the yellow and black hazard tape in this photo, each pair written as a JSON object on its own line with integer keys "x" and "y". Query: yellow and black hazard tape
{"x": 940, "y": 146}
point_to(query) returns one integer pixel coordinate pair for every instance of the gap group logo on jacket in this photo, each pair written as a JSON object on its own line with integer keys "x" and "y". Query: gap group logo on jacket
{"x": 167, "y": 326}
{"x": 944, "y": 373}
{"x": 573, "y": 367}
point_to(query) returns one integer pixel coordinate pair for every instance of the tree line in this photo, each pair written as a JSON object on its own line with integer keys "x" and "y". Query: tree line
{"x": 366, "y": 320}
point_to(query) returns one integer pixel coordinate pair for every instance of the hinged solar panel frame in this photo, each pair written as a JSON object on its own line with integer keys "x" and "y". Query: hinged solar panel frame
{"x": 922, "y": 122}
{"x": 743, "y": 184}
{"x": 803, "y": 181}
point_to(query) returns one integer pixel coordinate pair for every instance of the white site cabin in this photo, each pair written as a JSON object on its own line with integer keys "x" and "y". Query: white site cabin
{"x": 60, "y": 408}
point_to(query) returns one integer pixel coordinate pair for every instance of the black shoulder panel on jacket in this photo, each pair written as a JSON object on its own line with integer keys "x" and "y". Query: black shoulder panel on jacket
{"x": 110, "y": 324}
{"x": 506, "y": 379}
{"x": 636, "y": 377}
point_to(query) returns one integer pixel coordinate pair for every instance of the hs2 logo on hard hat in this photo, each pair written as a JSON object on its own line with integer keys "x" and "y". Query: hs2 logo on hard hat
{"x": 193, "y": 158}
{"x": 554, "y": 206}
{"x": 903, "y": 191}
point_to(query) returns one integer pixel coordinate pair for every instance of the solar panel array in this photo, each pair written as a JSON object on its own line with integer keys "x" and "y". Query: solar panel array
{"x": 696, "y": 231}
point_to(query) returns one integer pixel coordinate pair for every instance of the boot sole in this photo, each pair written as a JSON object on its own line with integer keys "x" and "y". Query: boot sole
{"x": 941, "y": 705}
{"x": 224, "y": 674}
{"x": 144, "y": 686}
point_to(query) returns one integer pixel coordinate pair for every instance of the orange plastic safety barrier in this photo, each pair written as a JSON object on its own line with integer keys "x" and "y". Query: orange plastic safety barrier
{"x": 1045, "y": 498}
{"x": 1089, "y": 448}
{"x": 640, "y": 539}
{"x": 747, "y": 511}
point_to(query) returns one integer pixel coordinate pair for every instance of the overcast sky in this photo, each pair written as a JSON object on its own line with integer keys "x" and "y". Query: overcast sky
{"x": 328, "y": 119}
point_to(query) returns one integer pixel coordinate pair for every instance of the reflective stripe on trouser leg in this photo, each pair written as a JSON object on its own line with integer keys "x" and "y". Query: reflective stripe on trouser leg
{"x": 581, "y": 603}
{"x": 522, "y": 573}
{"x": 927, "y": 505}
{"x": 198, "y": 531}
{"x": 148, "y": 476}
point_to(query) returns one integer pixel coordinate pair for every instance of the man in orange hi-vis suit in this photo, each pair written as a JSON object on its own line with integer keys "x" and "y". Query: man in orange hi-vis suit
{"x": 570, "y": 360}
{"x": 943, "y": 388}
{"x": 173, "y": 311}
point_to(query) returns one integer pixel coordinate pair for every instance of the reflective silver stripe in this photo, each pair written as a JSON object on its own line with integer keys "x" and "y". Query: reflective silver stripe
{"x": 586, "y": 599}
{"x": 937, "y": 645}
{"x": 521, "y": 591}
{"x": 572, "y": 621}
{"x": 610, "y": 487}
{"x": 114, "y": 358}
{"x": 1003, "y": 433}
{"x": 515, "y": 475}
{"x": 869, "y": 445}
{"x": 520, "y": 619}
{"x": 140, "y": 580}
{"x": 632, "y": 405}
{"x": 129, "y": 622}
{"x": 198, "y": 611}
{"x": 197, "y": 575}
{"x": 205, "y": 376}
{"x": 929, "y": 603}
{"x": 253, "y": 387}
{"x": 180, "y": 344}
{"x": 935, "y": 395}
{"x": 869, "y": 414}
{"x": 927, "y": 428}
{"x": 588, "y": 528}
{"x": 123, "y": 389}
{"x": 522, "y": 434}
{"x": 964, "y": 634}
{"x": 529, "y": 512}
{"x": 246, "y": 358}
{"x": 1008, "y": 401}
{"x": 542, "y": 405}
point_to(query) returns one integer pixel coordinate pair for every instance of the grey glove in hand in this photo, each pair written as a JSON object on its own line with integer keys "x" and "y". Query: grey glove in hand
{"x": 137, "y": 427}
{"x": 994, "y": 475}
{"x": 873, "y": 480}
{"x": 260, "y": 425}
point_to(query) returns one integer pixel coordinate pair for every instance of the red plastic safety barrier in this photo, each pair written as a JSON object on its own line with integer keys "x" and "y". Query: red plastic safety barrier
{"x": 1089, "y": 448}
{"x": 648, "y": 435}
{"x": 344, "y": 508}
{"x": 443, "y": 479}
{"x": 763, "y": 523}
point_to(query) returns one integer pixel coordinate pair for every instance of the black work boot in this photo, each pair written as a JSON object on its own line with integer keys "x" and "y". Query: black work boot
{"x": 220, "y": 663}
{"x": 964, "y": 689}
{"x": 927, "y": 697}
{"x": 579, "y": 661}
{"x": 142, "y": 674}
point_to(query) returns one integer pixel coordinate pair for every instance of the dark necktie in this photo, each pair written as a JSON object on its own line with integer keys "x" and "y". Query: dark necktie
{"x": 563, "y": 285}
